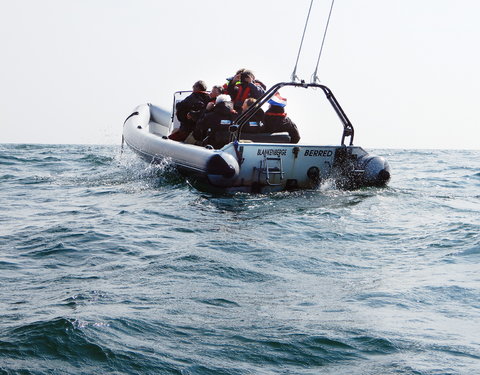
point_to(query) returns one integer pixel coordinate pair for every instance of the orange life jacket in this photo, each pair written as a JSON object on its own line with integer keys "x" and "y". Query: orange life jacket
{"x": 242, "y": 94}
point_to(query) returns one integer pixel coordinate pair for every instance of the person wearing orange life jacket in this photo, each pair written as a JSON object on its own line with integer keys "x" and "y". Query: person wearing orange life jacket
{"x": 236, "y": 79}
{"x": 248, "y": 88}
{"x": 275, "y": 119}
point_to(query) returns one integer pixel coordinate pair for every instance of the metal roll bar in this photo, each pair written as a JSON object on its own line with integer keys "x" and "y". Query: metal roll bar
{"x": 243, "y": 119}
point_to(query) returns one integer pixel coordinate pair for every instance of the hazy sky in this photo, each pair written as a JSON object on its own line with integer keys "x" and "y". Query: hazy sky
{"x": 406, "y": 72}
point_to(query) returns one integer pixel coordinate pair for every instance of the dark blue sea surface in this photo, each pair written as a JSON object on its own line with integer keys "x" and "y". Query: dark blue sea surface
{"x": 111, "y": 266}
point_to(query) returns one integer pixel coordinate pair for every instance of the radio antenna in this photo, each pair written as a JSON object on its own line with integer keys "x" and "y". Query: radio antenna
{"x": 294, "y": 74}
{"x": 315, "y": 78}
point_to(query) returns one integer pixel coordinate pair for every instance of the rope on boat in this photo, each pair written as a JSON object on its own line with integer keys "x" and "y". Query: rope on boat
{"x": 315, "y": 78}
{"x": 294, "y": 74}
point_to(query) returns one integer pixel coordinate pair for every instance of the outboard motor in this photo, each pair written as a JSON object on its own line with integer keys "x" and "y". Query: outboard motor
{"x": 351, "y": 171}
{"x": 344, "y": 169}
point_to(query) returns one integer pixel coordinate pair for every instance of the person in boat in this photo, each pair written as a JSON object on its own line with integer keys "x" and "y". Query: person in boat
{"x": 237, "y": 81}
{"x": 235, "y": 78}
{"x": 254, "y": 124}
{"x": 248, "y": 88}
{"x": 214, "y": 128}
{"x": 276, "y": 120}
{"x": 190, "y": 110}
{"x": 214, "y": 93}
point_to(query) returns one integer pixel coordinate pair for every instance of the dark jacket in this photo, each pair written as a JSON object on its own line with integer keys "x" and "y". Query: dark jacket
{"x": 254, "y": 124}
{"x": 214, "y": 127}
{"x": 194, "y": 104}
{"x": 276, "y": 121}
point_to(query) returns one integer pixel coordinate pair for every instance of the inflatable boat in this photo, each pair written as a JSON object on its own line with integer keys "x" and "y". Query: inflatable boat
{"x": 255, "y": 162}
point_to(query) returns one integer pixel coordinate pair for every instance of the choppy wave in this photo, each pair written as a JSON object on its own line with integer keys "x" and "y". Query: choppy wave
{"x": 111, "y": 265}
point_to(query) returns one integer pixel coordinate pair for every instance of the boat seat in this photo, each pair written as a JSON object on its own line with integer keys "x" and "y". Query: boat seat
{"x": 159, "y": 129}
{"x": 266, "y": 137}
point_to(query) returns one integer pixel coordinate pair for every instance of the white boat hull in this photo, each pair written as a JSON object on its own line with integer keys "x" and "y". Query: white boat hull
{"x": 252, "y": 167}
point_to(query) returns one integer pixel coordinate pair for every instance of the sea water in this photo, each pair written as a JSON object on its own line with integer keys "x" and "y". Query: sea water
{"x": 109, "y": 265}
